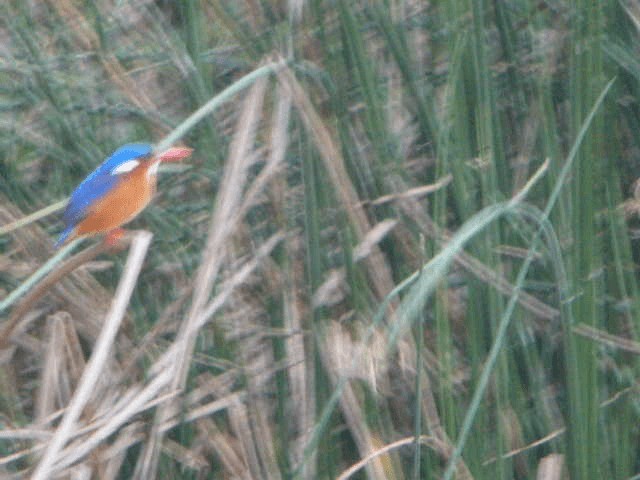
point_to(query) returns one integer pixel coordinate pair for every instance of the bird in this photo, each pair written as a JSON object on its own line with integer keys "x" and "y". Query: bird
{"x": 115, "y": 192}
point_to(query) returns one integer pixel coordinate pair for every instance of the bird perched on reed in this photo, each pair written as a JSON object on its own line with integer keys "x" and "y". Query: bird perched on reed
{"x": 115, "y": 192}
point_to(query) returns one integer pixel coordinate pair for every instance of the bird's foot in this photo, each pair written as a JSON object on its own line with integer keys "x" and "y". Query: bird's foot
{"x": 113, "y": 237}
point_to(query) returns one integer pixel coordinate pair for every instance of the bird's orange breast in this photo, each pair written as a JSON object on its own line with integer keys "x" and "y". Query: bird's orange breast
{"x": 127, "y": 199}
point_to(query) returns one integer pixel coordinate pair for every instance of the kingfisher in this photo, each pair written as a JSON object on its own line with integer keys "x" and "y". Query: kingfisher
{"x": 115, "y": 192}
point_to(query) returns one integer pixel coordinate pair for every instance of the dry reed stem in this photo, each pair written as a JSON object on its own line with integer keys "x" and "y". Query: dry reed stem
{"x": 330, "y": 291}
{"x": 378, "y": 269}
{"x": 431, "y": 442}
{"x": 278, "y": 143}
{"x": 223, "y": 222}
{"x": 255, "y": 353}
{"x": 95, "y": 366}
{"x": 240, "y": 426}
{"x": 372, "y": 238}
{"x": 541, "y": 441}
{"x": 225, "y": 447}
{"x": 257, "y": 358}
{"x": 188, "y": 457}
{"x": 115, "y": 455}
{"x": 354, "y": 417}
{"x": 261, "y": 438}
{"x": 143, "y": 399}
{"x": 131, "y": 406}
{"x": 257, "y": 438}
{"x": 243, "y": 272}
{"x": 63, "y": 365}
{"x": 552, "y": 467}
{"x": 161, "y": 327}
{"x": 241, "y": 275}
{"x": 412, "y": 192}
{"x": 51, "y": 371}
{"x": 606, "y": 338}
{"x": 300, "y": 375}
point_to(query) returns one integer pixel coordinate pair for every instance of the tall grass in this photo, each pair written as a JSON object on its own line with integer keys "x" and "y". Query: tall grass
{"x": 407, "y": 252}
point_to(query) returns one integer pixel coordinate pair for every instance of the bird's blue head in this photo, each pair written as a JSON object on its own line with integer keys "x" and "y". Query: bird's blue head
{"x": 126, "y": 154}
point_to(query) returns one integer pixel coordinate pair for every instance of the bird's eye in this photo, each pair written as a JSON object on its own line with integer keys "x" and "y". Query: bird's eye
{"x": 125, "y": 167}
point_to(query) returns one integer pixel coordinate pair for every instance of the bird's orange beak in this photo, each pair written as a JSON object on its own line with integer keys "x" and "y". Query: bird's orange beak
{"x": 175, "y": 154}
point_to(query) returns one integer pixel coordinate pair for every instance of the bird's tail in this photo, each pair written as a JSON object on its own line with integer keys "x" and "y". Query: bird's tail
{"x": 67, "y": 234}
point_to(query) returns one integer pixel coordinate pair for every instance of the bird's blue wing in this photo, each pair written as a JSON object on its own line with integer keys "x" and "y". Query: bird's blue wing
{"x": 100, "y": 182}
{"x": 92, "y": 189}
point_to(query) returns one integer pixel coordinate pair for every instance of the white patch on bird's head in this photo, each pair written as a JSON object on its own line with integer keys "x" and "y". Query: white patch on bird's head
{"x": 125, "y": 167}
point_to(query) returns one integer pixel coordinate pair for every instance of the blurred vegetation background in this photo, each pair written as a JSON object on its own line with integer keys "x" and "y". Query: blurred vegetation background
{"x": 311, "y": 197}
